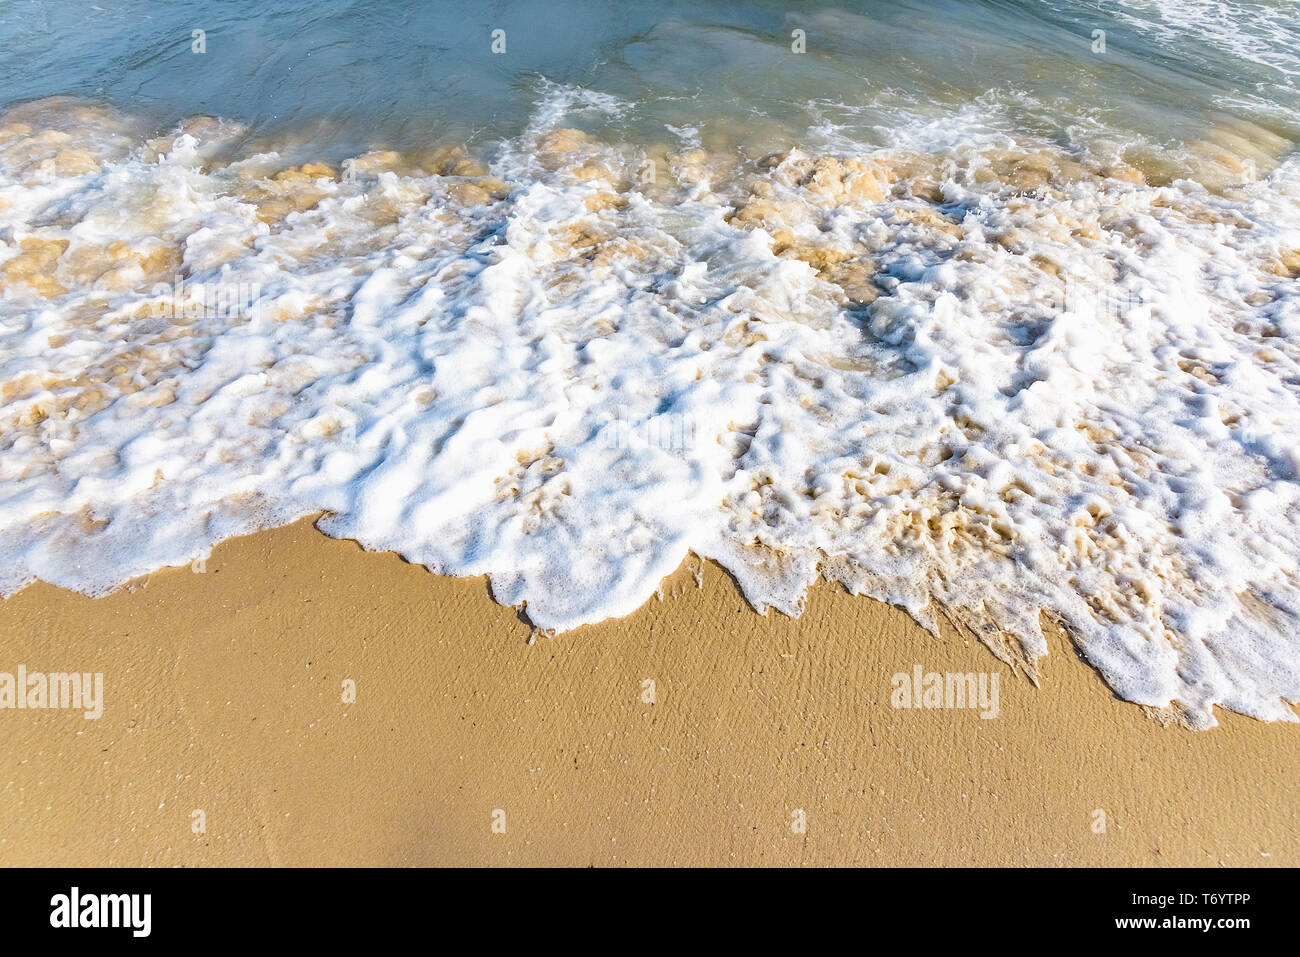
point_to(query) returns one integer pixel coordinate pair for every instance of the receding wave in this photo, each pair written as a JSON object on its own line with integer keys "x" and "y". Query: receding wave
{"x": 985, "y": 380}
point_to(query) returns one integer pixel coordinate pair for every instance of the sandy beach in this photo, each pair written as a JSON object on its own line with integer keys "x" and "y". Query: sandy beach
{"x": 724, "y": 434}
{"x": 467, "y": 745}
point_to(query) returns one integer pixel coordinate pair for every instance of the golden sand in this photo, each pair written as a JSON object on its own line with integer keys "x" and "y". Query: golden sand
{"x": 224, "y": 694}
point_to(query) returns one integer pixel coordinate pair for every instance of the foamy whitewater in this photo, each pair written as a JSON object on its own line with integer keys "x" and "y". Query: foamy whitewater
{"x": 975, "y": 370}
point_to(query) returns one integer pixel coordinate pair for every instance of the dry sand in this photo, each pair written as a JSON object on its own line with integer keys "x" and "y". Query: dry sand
{"x": 223, "y": 693}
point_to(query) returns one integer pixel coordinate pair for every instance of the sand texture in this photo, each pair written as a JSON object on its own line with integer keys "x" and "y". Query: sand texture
{"x": 223, "y": 694}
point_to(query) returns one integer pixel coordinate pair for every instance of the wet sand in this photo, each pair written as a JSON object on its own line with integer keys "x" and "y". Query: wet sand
{"x": 223, "y": 694}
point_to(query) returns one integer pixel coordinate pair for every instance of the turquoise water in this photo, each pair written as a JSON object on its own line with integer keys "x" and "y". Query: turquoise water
{"x": 356, "y": 73}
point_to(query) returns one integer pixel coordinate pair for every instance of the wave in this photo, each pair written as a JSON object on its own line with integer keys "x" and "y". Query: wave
{"x": 985, "y": 380}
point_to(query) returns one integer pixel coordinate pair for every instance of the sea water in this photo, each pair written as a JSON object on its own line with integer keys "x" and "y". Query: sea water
{"x": 987, "y": 309}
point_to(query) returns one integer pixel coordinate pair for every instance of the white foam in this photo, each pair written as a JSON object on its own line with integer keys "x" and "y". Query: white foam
{"x": 571, "y": 401}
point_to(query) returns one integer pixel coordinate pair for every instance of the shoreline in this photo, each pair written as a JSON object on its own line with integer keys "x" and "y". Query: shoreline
{"x": 222, "y": 694}
{"x": 913, "y": 363}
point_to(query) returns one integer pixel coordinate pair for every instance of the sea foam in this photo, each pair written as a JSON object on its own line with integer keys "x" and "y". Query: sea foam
{"x": 983, "y": 382}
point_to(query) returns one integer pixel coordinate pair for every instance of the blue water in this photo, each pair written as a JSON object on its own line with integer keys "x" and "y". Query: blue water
{"x": 356, "y": 73}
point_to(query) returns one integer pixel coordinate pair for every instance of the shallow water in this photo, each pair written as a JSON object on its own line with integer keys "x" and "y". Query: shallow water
{"x": 949, "y": 308}
{"x": 348, "y": 74}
